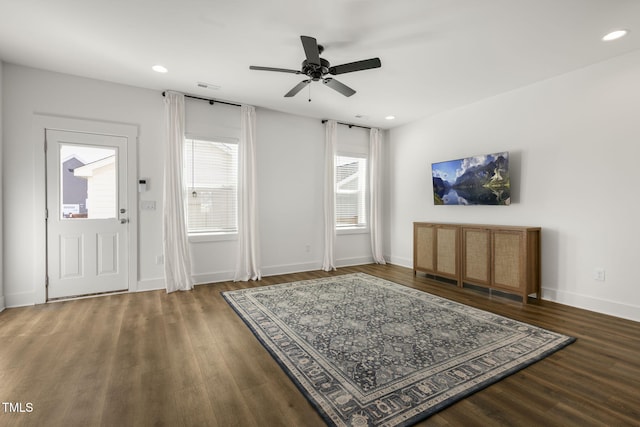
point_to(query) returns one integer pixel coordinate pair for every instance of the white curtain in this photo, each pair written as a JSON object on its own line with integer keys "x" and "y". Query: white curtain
{"x": 375, "y": 199}
{"x": 331, "y": 138}
{"x": 177, "y": 262}
{"x": 248, "y": 257}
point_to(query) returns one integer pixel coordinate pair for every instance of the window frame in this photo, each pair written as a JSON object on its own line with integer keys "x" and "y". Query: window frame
{"x": 208, "y": 236}
{"x": 353, "y": 229}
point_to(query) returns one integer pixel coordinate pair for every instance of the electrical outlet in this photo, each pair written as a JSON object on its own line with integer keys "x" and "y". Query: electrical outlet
{"x": 160, "y": 259}
{"x": 598, "y": 274}
{"x": 307, "y": 247}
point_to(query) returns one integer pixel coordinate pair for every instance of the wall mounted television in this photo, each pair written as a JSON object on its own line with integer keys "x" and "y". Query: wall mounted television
{"x": 477, "y": 180}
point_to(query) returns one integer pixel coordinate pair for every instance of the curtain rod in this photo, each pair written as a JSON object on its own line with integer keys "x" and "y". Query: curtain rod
{"x": 211, "y": 101}
{"x": 348, "y": 124}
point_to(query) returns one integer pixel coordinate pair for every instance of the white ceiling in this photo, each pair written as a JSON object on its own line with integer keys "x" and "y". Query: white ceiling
{"x": 436, "y": 54}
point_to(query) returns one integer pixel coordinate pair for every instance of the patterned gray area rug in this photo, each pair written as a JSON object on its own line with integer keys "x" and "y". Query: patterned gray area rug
{"x": 369, "y": 352}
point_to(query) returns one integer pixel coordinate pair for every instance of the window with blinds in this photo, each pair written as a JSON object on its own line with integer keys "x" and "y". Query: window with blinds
{"x": 351, "y": 186}
{"x": 211, "y": 180}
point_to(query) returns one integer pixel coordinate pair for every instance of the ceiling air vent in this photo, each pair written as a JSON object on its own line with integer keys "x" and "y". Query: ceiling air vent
{"x": 209, "y": 86}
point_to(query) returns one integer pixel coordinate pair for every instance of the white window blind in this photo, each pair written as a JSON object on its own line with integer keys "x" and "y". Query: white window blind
{"x": 351, "y": 181}
{"x": 211, "y": 178}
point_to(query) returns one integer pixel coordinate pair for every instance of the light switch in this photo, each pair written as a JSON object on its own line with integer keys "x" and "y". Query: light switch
{"x": 148, "y": 205}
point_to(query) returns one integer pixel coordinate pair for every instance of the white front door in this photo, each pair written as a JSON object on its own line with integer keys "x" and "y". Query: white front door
{"x": 87, "y": 215}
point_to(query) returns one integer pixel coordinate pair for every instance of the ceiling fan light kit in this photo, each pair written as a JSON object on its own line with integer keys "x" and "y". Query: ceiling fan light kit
{"x": 317, "y": 69}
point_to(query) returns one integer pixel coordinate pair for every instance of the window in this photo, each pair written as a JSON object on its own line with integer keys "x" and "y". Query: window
{"x": 88, "y": 181}
{"x": 351, "y": 186}
{"x": 211, "y": 178}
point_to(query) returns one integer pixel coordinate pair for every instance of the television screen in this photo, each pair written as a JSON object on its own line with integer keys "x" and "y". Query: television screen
{"x": 477, "y": 180}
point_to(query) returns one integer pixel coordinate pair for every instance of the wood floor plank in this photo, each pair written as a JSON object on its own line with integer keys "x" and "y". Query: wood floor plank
{"x": 228, "y": 402}
{"x": 191, "y": 409}
{"x": 187, "y": 359}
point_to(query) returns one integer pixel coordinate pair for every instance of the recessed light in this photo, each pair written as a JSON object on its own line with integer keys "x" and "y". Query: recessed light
{"x": 390, "y": 117}
{"x": 614, "y": 35}
{"x": 159, "y": 69}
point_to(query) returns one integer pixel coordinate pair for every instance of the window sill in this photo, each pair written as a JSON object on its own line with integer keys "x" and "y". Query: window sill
{"x": 212, "y": 237}
{"x": 352, "y": 230}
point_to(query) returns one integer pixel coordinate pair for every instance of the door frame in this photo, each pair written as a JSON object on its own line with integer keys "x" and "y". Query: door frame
{"x": 42, "y": 122}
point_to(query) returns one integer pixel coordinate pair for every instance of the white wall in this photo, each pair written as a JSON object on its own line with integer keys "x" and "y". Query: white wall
{"x": 290, "y": 156}
{"x": 2, "y": 302}
{"x": 290, "y": 177}
{"x": 29, "y": 93}
{"x": 574, "y": 144}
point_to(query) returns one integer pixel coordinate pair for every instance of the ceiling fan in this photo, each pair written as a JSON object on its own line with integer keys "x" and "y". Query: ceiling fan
{"x": 317, "y": 68}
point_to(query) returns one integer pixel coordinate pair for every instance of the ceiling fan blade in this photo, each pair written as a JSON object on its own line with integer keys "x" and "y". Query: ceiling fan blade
{"x": 311, "y": 50}
{"x": 337, "y": 86}
{"x": 280, "y": 70}
{"x": 366, "y": 64}
{"x": 297, "y": 88}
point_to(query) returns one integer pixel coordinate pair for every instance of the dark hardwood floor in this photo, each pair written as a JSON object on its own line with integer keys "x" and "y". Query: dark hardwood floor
{"x": 186, "y": 359}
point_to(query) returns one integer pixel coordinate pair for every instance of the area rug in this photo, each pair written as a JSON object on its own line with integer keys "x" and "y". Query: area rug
{"x": 369, "y": 352}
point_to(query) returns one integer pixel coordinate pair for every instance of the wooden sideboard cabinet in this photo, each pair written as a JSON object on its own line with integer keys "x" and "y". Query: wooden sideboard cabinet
{"x": 504, "y": 258}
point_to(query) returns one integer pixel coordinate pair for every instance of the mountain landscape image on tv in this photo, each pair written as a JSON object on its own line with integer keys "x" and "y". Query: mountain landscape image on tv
{"x": 477, "y": 180}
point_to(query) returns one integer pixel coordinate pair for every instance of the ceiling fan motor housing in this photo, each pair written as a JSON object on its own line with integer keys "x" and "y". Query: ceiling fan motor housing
{"x": 316, "y": 72}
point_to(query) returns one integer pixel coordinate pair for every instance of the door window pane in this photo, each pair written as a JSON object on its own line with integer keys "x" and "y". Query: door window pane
{"x": 88, "y": 181}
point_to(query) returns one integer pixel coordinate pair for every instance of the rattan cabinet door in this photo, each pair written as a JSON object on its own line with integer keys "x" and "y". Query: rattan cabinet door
{"x": 424, "y": 247}
{"x": 508, "y": 260}
{"x": 447, "y": 245}
{"x": 476, "y": 262}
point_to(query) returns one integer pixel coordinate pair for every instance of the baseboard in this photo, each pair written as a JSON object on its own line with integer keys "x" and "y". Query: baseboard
{"x": 401, "y": 262}
{"x": 2, "y": 306}
{"x": 23, "y": 299}
{"x": 198, "y": 279}
{"x": 612, "y": 308}
{"x": 350, "y": 262}
{"x": 275, "y": 270}
{"x": 225, "y": 276}
{"x": 221, "y": 276}
{"x": 150, "y": 285}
